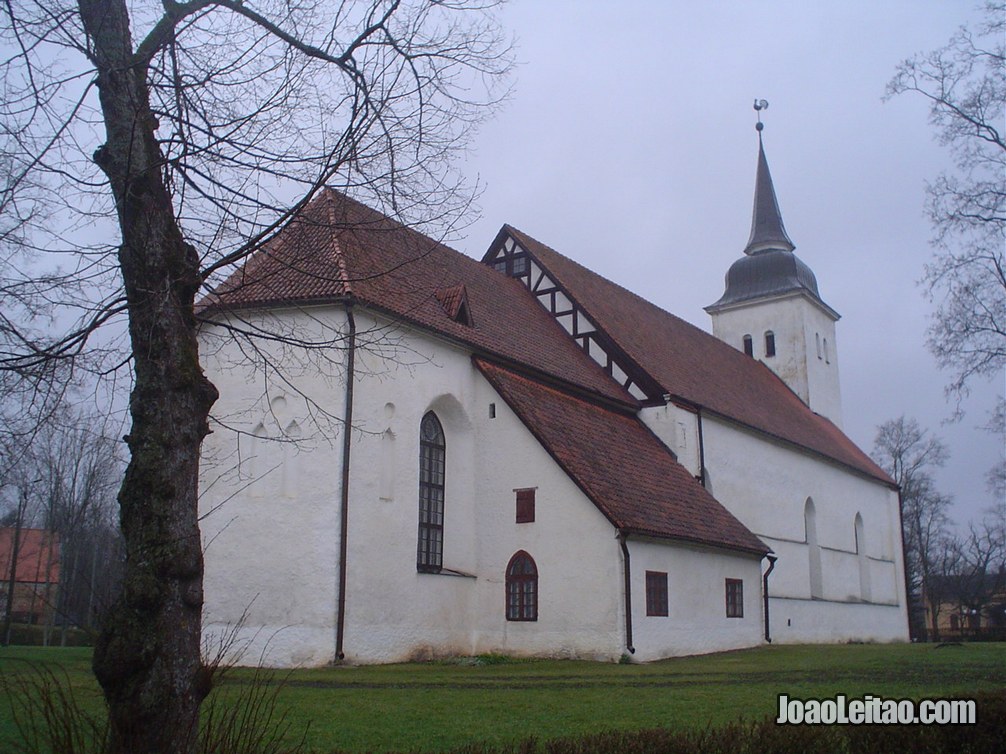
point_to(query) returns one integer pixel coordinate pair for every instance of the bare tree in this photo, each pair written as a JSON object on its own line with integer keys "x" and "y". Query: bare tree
{"x": 982, "y": 567}
{"x": 909, "y": 454}
{"x": 64, "y": 483}
{"x": 965, "y": 84}
{"x": 189, "y": 132}
{"x": 79, "y": 469}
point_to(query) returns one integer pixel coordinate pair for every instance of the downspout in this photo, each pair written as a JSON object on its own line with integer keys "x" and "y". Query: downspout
{"x": 347, "y": 426}
{"x": 702, "y": 450}
{"x": 622, "y": 536}
{"x": 764, "y": 590}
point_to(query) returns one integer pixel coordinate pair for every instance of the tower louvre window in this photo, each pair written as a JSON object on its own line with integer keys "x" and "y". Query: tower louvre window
{"x": 748, "y": 345}
{"x": 769, "y": 343}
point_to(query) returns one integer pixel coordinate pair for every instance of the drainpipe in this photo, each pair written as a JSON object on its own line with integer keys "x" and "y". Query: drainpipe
{"x": 347, "y": 425}
{"x": 622, "y": 536}
{"x": 702, "y": 450}
{"x": 764, "y": 579}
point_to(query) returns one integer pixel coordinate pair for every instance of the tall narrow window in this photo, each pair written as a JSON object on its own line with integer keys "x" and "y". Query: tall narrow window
{"x": 735, "y": 598}
{"x": 521, "y": 588}
{"x": 656, "y": 593}
{"x": 865, "y": 592}
{"x": 813, "y": 550}
{"x": 432, "y": 465}
{"x": 748, "y": 345}
{"x": 769, "y": 343}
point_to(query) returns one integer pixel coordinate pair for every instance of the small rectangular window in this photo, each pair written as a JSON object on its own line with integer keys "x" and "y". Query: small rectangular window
{"x": 525, "y": 506}
{"x": 656, "y": 593}
{"x": 735, "y": 598}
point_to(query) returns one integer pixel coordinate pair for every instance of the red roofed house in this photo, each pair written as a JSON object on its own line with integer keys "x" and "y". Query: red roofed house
{"x": 540, "y": 461}
{"x": 36, "y": 576}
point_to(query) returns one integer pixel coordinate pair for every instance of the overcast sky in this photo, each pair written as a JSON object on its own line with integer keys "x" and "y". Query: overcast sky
{"x": 629, "y": 145}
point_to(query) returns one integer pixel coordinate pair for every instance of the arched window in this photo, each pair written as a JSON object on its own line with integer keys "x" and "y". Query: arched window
{"x": 817, "y": 338}
{"x": 521, "y": 588}
{"x": 432, "y": 464}
{"x": 864, "y": 563}
{"x": 769, "y": 343}
{"x": 748, "y": 345}
{"x": 813, "y": 550}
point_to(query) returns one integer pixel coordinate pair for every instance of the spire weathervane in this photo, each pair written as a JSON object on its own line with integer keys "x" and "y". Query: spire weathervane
{"x": 759, "y": 105}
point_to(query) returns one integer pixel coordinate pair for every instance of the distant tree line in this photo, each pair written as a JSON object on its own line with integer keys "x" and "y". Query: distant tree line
{"x": 961, "y": 576}
{"x": 61, "y": 479}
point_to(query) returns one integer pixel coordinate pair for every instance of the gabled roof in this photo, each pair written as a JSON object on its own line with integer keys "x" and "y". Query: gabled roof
{"x": 696, "y": 368}
{"x": 620, "y": 465}
{"x": 338, "y": 249}
{"x": 37, "y": 555}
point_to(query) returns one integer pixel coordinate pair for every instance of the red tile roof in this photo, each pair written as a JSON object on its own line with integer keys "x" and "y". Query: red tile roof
{"x": 38, "y": 556}
{"x": 620, "y": 465}
{"x": 338, "y": 248}
{"x": 696, "y": 367}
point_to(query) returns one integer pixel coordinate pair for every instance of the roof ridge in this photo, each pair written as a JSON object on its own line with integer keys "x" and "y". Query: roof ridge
{"x": 340, "y": 257}
{"x": 715, "y": 342}
{"x": 610, "y": 281}
{"x": 588, "y": 289}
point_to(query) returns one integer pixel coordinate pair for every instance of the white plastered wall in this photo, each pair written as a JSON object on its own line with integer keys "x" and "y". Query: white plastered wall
{"x": 269, "y": 492}
{"x": 806, "y": 356}
{"x": 678, "y": 430}
{"x": 766, "y": 484}
{"x": 696, "y": 620}
{"x": 271, "y": 531}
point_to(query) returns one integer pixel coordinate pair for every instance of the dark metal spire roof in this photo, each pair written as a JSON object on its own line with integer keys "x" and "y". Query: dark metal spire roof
{"x": 769, "y": 267}
{"x": 767, "y": 231}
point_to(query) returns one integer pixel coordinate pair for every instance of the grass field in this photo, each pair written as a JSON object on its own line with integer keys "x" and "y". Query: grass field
{"x": 441, "y": 705}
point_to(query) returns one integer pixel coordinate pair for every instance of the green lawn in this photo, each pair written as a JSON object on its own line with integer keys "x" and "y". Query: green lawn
{"x": 441, "y": 705}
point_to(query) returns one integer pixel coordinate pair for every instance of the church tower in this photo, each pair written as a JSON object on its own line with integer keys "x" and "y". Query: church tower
{"x": 771, "y": 308}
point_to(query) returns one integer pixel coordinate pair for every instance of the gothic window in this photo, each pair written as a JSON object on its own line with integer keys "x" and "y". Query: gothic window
{"x": 432, "y": 466}
{"x": 748, "y": 345}
{"x": 769, "y": 343}
{"x": 656, "y": 593}
{"x": 521, "y": 588}
{"x": 735, "y": 598}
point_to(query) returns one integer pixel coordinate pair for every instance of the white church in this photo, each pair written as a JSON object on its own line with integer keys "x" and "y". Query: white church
{"x": 435, "y": 456}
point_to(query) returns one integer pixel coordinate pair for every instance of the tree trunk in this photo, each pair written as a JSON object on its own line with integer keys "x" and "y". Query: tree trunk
{"x": 147, "y": 657}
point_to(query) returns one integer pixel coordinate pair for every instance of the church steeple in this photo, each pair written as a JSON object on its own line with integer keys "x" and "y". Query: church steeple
{"x": 771, "y": 308}
{"x": 767, "y": 231}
